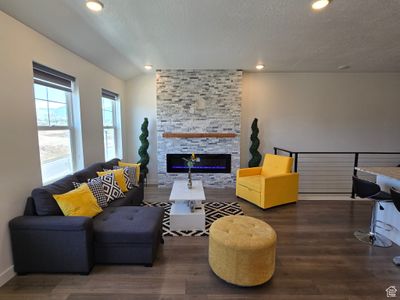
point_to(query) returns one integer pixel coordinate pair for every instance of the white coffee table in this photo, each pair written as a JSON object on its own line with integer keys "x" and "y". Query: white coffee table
{"x": 181, "y": 215}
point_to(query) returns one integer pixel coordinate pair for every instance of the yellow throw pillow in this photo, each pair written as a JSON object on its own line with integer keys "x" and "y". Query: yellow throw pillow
{"x": 79, "y": 202}
{"x": 119, "y": 177}
{"x": 137, "y": 166}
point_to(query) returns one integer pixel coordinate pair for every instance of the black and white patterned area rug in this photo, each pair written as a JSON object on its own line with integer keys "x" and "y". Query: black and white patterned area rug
{"x": 214, "y": 211}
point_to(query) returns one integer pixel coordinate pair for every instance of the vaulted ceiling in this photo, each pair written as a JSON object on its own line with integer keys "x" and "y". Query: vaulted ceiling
{"x": 285, "y": 35}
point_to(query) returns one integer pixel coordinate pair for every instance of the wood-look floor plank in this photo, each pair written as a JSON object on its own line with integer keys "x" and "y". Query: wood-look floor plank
{"x": 317, "y": 258}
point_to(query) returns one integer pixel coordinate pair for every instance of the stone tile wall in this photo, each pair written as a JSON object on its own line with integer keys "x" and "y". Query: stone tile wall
{"x": 198, "y": 101}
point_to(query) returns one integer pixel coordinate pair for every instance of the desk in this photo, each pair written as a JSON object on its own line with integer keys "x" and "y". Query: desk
{"x": 387, "y": 177}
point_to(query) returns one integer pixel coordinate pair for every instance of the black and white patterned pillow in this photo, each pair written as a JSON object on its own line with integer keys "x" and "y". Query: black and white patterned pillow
{"x": 96, "y": 188}
{"x": 110, "y": 187}
{"x": 132, "y": 175}
{"x": 129, "y": 176}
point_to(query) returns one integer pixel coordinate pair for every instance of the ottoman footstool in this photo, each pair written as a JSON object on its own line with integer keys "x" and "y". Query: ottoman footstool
{"x": 128, "y": 235}
{"x": 242, "y": 250}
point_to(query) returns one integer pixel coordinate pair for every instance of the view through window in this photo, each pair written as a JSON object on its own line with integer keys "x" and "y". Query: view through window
{"x": 110, "y": 124}
{"x": 53, "y": 96}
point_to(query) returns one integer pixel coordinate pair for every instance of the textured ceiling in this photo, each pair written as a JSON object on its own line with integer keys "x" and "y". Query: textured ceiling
{"x": 285, "y": 35}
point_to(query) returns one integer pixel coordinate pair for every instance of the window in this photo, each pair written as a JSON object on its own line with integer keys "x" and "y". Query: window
{"x": 111, "y": 124}
{"x": 53, "y": 100}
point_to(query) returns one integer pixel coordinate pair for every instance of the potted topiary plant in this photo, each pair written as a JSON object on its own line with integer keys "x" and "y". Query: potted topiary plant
{"x": 144, "y": 156}
{"x": 255, "y": 143}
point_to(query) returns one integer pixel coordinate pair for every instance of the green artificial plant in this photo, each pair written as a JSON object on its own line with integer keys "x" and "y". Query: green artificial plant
{"x": 255, "y": 143}
{"x": 144, "y": 156}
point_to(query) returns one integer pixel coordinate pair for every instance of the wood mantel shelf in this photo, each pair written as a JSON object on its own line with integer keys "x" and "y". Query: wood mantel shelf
{"x": 188, "y": 135}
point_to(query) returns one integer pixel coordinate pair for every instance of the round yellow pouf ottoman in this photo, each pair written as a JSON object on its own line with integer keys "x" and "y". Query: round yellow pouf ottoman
{"x": 242, "y": 250}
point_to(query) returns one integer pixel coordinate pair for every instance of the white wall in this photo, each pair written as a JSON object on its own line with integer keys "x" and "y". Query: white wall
{"x": 300, "y": 111}
{"x": 322, "y": 111}
{"x": 141, "y": 102}
{"x": 19, "y": 149}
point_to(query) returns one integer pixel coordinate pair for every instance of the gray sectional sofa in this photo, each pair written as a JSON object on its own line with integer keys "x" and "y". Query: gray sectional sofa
{"x": 45, "y": 241}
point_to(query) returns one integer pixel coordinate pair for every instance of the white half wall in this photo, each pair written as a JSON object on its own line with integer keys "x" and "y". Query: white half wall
{"x": 141, "y": 103}
{"x": 322, "y": 111}
{"x": 19, "y": 150}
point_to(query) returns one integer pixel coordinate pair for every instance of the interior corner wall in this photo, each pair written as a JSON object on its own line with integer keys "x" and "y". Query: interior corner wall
{"x": 19, "y": 150}
{"x": 321, "y": 111}
{"x": 141, "y": 103}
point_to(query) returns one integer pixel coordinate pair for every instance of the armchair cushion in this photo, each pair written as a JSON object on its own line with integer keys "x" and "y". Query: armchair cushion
{"x": 252, "y": 182}
{"x": 276, "y": 164}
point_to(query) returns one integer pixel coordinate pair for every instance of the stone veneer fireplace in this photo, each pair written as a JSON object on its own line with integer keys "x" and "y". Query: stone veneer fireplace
{"x": 198, "y": 111}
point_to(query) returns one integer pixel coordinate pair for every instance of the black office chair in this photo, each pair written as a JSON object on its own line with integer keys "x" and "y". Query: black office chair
{"x": 396, "y": 201}
{"x": 367, "y": 189}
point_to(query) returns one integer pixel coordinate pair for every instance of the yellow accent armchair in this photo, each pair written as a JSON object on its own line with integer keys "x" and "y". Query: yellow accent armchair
{"x": 270, "y": 185}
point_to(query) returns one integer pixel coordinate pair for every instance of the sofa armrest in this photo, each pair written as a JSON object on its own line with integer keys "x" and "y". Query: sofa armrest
{"x": 51, "y": 223}
{"x": 52, "y": 244}
{"x": 279, "y": 177}
{"x": 280, "y": 189}
{"x": 248, "y": 171}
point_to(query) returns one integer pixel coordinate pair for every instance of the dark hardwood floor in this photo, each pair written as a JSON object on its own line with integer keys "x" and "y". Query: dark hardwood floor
{"x": 317, "y": 258}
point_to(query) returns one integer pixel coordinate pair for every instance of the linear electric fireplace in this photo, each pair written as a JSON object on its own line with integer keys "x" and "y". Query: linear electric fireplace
{"x": 209, "y": 163}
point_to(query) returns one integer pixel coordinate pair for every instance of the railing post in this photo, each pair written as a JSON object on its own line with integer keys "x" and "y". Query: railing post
{"x": 296, "y": 157}
{"x": 353, "y": 194}
{"x": 275, "y": 151}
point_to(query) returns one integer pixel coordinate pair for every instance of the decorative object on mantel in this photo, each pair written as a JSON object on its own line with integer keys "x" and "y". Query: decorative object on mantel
{"x": 144, "y": 156}
{"x": 190, "y": 163}
{"x": 188, "y": 135}
{"x": 255, "y": 143}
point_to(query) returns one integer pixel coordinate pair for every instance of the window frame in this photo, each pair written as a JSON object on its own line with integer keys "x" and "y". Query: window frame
{"x": 47, "y": 83}
{"x": 116, "y": 122}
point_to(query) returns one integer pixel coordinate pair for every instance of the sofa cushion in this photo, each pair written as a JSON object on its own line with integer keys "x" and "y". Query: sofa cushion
{"x": 252, "y": 182}
{"x": 119, "y": 177}
{"x": 121, "y": 202}
{"x": 45, "y": 204}
{"x": 30, "y": 209}
{"x": 90, "y": 172}
{"x": 129, "y": 175}
{"x": 132, "y": 198}
{"x": 109, "y": 165}
{"x": 110, "y": 187}
{"x": 96, "y": 187}
{"x": 78, "y": 202}
{"x": 135, "y": 195}
{"x": 128, "y": 225}
{"x": 131, "y": 165}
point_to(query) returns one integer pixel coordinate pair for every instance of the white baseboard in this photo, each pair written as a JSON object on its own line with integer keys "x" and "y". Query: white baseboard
{"x": 6, "y": 275}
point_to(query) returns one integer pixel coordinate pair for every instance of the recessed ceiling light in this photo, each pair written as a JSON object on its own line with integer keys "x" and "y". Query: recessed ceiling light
{"x": 320, "y": 4}
{"x": 260, "y": 67}
{"x": 94, "y": 5}
{"x": 343, "y": 67}
{"x": 148, "y": 67}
